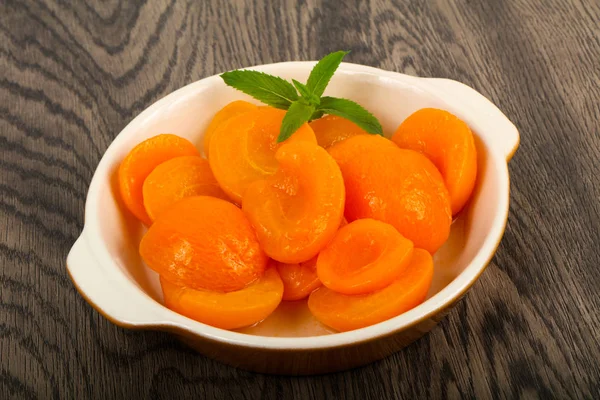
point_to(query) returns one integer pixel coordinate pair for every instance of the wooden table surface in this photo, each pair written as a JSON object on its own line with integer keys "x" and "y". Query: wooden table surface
{"x": 73, "y": 74}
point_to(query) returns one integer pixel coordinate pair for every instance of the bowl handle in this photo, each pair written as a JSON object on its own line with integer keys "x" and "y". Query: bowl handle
{"x": 504, "y": 133}
{"x": 117, "y": 304}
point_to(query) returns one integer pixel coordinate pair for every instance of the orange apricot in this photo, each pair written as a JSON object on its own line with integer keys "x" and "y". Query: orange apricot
{"x": 297, "y": 211}
{"x": 203, "y": 242}
{"x": 397, "y": 186}
{"x": 448, "y": 142}
{"x": 243, "y": 149}
{"x": 224, "y": 114}
{"x": 347, "y": 312}
{"x": 299, "y": 279}
{"x": 364, "y": 256}
{"x": 141, "y": 160}
{"x": 332, "y": 129}
{"x": 177, "y": 178}
{"x": 231, "y": 310}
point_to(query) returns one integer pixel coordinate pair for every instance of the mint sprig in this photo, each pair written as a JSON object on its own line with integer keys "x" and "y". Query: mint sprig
{"x": 303, "y": 102}
{"x": 352, "y": 111}
{"x": 298, "y": 113}
{"x": 269, "y": 89}
{"x": 323, "y": 71}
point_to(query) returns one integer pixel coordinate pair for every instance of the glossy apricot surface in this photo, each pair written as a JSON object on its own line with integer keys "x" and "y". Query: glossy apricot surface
{"x": 230, "y": 310}
{"x": 299, "y": 279}
{"x": 331, "y": 129}
{"x": 206, "y": 243}
{"x": 242, "y": 150}
{"x": 398, "y": 186}
{"x": 224, "y": 114}
{"x": 141, "y": 161}
{"x": 363, "y": 256}
{"x": 175, "y": 179}
{"x": 347, "y": 312}
{"x": 297, "y": 211}
{"x": 448, "y": 142}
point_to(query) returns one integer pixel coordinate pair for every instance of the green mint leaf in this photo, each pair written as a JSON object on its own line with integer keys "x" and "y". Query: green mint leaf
{"x": 298, "y": 113}
{"x": 323, "y": 71}
{"x": 269, "y": 89}
{"x": 301, "y": 88}
{"x": 350, "y": 110}
{"x": 316, "y": 115}
{"x": 305, "y": 93}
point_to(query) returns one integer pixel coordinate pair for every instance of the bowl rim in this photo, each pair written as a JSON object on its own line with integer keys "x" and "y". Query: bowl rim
{"x": 171, "y": 320}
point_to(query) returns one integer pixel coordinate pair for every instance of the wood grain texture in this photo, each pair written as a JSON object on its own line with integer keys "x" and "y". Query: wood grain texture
{"x": 74, "y": 73}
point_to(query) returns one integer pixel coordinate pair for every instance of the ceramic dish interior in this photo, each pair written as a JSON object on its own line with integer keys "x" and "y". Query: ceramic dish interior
{"x": 105, "y": 265}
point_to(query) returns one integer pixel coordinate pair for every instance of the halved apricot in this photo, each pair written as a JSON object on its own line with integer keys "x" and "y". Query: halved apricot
{"x": 177, "y": 178}
{"x": 231, "y": 310}
{"x": 224, "y": 114}
{"x": 299, "y": 279}
{"x": 331, "y": 129}
{"x": 397, "y": 186}
{"x": 141, "y": 160}
{"x": 363, "y": 256}
{"x": 347, "y": 312}
{"x": 448, "y": 142}
{"x": 297, "y": 211}
{"x": 203, "y": 242}
{"x": 243, "y": 149}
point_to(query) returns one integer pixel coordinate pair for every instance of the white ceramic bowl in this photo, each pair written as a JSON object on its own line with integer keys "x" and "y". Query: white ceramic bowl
{"x": 105, "y": 265}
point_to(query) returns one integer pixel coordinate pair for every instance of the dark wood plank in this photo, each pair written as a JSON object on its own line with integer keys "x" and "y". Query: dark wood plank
{"x": 74, "y": 73}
